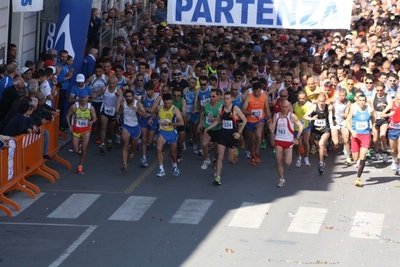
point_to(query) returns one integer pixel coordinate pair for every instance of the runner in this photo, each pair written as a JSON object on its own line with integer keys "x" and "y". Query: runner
{"x": 359, "y": 125}
{"x": 179, "y": 102}
{"x": 208, "y": 114}
{"x": 229, "y": 133}
{"x": 255, "y": 108}
{"x": 320, "y": 130}
{"x": 150, "y": 102}
{"x": 84, "y": 116}
{"x": 129, "y": 108}
{"x": 342, "y": 107}
{"x": 111, "y": 99}
{"x": 282, "y": 126}
{"x": 192, "y": 115}
{"x": 300, "y": 108}
{"x": 167, "y": 132}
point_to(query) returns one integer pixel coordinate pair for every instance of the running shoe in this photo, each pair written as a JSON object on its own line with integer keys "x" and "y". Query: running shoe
{"x": 257, "y": 158}
{"x": 118, "y": 139}
{"x": 397, "y": 172}
{"x": 393, "y": 167}
{"x": 273, "y": 153}
{"x": 253, "y": 162}
{"x": 263, "y": 144}
{"x": 102, "y": 148}
{"x": 184, "y": 146}
{"x": 321, "y": 167}
{"x": 307, "y": 162}
{"x": 368, "y": 155}
{"x": 298, "y": 162}
{"x": 70, "y": 150}
{"x": 313, "y": 150}
{"x": 201, "y": 153}
{"x": 98, "y": 141}
{"x": 358, "y": 182}
{"x": 109, "y": 145}
{"x": 179, "y": 161}
{"x": 124, "y": 167}
{"x": 143, "y": 163}
{"x": 205, "y": 164}
{"x": 161, "y": 173}
{"x": 175, "y": 171}
{"x": 348, "y": 162}
{"x": 375, "y": 156}
{"x": 282, "y": 183}
{"x": 385, "y": 157}
{"x": 195, "y": 150}
{"x": 131, "y": 154}
{"x": 80, "y": 170}
{"x": 217, "y": 180}
{"x": 247, "y": 155}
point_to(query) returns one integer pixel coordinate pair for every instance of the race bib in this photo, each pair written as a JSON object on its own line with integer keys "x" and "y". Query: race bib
{"x": 109, "y": 111}
{"x": 338, "y": 115}
{"x": 394, "y": 125}
{"x": 164, "y": 126}
{"x": 189, "y": 108}
{"x": 320, "y": 123}
{"x": 209, "y": 119}
{"x": 81, "y": 123}
{"x": 203, "y": 101}
{"x": 378, "y": 115}
{"x": 227, "y": 124}
{"x": 281, "y": 131}
{"x": 361, "y": 125}
{"x": 257, "y": 112}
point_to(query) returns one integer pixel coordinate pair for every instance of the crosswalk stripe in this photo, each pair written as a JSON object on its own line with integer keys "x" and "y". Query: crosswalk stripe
{"x": 23, "y": 200}
{"x": 249, "y": 215}
{"x": 308, "y": 220}
{"x": 367, "y": 225}
{"x": 133, "y": 208}
{"x": 74, "y": 206}
{"x": 191, "y": 211}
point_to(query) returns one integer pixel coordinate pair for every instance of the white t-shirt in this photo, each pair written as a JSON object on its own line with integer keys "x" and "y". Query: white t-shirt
{"x": 46, "y": 90}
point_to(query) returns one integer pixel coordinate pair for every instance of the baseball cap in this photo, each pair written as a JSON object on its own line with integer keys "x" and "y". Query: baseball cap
{"x": 23, "y": 70}
{"x": 83, "y": 93}
{"x": 80, "y": 78}
{"x": 349, "y": 36}
{"x": 48, "y": 63}
{"x": 53, "y": 68}
{"x": 257, "y": 49}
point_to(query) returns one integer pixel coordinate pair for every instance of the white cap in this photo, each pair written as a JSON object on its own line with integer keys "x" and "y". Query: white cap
{"x": 53, "y": 68}
{"x": 366, "y": 54}
{"x": 349, "y": 36}
{"x": 23, "y": 70}
{"x": 350, "y": 50}
{"x": 303, "y": 40}
{"x": 80, "y": 78}
{"x": 264, "y": 37}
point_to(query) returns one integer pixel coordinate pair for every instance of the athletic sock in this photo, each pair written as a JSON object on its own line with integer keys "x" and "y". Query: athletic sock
{"x": 360, "y": 168}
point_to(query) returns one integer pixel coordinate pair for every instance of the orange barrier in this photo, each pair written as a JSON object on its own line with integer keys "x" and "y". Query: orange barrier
{"x": 54, "y": 143}
{"x": 22, "y": 159}
{"x": 56, "y": 100}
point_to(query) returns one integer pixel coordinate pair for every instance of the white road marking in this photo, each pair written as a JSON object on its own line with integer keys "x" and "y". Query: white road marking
{"x": 74, "y": 206}
{"x": 23, "y": 200}
{"x": 367, "y": 225}
{"x": 308, "y": 220}
{"x": 191, "y": 211}
{"x": 133, "y": 208}
{"x": 249, "y": 215}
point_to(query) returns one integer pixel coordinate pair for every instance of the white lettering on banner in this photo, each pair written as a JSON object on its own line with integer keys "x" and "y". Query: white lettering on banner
{"x": 63, "y": 30}
{"x": 320, "y": 123}
{"x": 27, "y": 5}
{"x": 361, "y": 125}
{"x": 394, "y": 125}
{"x": 227, "y": 124}
{"x": 290, "y": 14}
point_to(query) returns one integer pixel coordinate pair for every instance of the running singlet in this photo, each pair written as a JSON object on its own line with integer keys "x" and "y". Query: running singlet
{"x": 228, "y": 121}
{"x": 223, "y": 86}
{"x": 189, "y": 97}
{"x": 368, "y": 94}
{"x": 321, "y": 124}
{"x": 238, "y": 101}
{"x": 137, "y": 92}
{"x": 394, "y": 121}
{"x": 300, "y": 111}
{"x": 204, "y": 96}
{"x": 166, "y": 116}
{"x": 284, "y": 128}
{"x": 277, "y": 106}
{"x": 380, "y": 108}
{"x": 256, "y": 107}
{"x": 178, "y": 104}
{"x": 81, "y": 119}
{"x": 360, "y": 123}
{"x": 122, "y": 82}
{"x": 210, "y": 114}
{"x": 130, "y": 116}
{"x": 96, "y": 85}
{"x": 340, "y": 109}
{"x": 148, "y": 103}
{"x": 109, "y": 102}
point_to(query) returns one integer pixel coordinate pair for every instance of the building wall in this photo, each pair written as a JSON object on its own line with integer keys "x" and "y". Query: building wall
{"x": 3, "y": 27}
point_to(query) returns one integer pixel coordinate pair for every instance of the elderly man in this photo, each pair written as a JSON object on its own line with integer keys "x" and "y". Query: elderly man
{"x": 9, "y": 95}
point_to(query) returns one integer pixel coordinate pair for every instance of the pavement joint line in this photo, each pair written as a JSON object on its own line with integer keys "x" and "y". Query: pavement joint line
{"x": 83, "y": 191}
{"x": 141, "y": 178}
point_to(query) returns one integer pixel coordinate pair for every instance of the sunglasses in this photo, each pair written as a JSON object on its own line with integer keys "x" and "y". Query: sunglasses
{"x": 238, "y": 77}
{"x": 350, "y": 84}
{"x": 177, "y": 95}
{"x": 139, "y": 80}
{"x": 203, "y": 84}
{"x": 283, "y": 95}
{"x": 213, "y": 96}
{"x": 392, "y": 81}
{"x": 295, "y": 83}
{"x": 368, "y": 83}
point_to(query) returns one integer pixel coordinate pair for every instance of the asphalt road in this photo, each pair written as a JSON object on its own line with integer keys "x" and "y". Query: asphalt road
{"x": 108, "y": 218}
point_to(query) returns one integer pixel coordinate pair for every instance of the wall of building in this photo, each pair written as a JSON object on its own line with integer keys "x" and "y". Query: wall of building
{"x": 3, "y": 28}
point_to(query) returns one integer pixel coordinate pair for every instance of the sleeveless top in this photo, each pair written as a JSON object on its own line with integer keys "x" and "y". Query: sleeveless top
{"x": 340, "y": 108}
{"x": 109, "y": 102}
{"x": 166, "y": 116}
{"x": 378, "y": 100}
{"x": 122, "y": 82}
{"x": 137, "y": 92}
{"x": 178, "y": 104}
{"x": 238, "y": 100}
{"x": 130, "y": 116}
{"x": 394, "y": 121}
{"x": 322, "y": 123}
{"x": 284, "y": 128}
{"x": 229, "y": 123}
{"x": 300, "y": 111}
{"x": 210, "y": 114}
{"x": 148, "y": 103}
{"x": 256, "y": 106}
{"x": 204, "y": 96}
{"x": 189, "y": 97}
{"x": 360, "y": 123}
{"x": 277, "y": 106}
{"x": 81, "y": 119}
{"x": 96, "y": 85}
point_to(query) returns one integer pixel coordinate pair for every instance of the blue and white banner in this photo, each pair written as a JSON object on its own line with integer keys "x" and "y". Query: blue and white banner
{"x": 288, "y": 14}
{"x": 27, "y": 5}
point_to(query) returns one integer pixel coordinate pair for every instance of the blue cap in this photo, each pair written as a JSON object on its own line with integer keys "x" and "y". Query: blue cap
{"x": 83, "y": 93}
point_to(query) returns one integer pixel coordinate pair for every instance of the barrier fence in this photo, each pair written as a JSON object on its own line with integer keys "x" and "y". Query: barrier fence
{"x": 24, "y": 158}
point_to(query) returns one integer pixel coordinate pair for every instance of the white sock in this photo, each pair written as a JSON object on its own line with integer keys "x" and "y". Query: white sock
{"x": 162, "y": 167}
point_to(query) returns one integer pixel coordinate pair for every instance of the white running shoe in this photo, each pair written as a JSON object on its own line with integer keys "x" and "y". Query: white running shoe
{"x": 247, "y": 155}
{"x": 298, "y": 162}
{"x": 393, "y": 167}
{"x": 205, "y": 164}
{"x": 307, "y": 162}
{"x": 384, "y": 157}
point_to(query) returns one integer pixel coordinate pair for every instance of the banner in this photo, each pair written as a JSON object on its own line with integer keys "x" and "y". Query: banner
{"x": 70, "y": 32}
{"x": 288, "y": 14}
{"x": 27, "y": 5}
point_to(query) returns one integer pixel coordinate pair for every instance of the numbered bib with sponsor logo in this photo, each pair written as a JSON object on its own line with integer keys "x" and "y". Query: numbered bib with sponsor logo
{"x": 361, "y": 125}
{"x": 209, "y": 119}
{"x": 394, "y": 125}
{"x": 320, "y": 123}
{"x": 281, "y": 131}
{"x": 81, "y": 123}
{"x": 378, "y": 115}
{"x": 109, "y": 111}
{"x": 227, "y": 124}
{"x": 257, "y": 112}
{"x": 189, "y": 108}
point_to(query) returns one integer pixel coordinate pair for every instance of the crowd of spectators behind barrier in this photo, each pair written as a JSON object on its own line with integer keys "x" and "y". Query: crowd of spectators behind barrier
{"x": 370, "y": 48}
